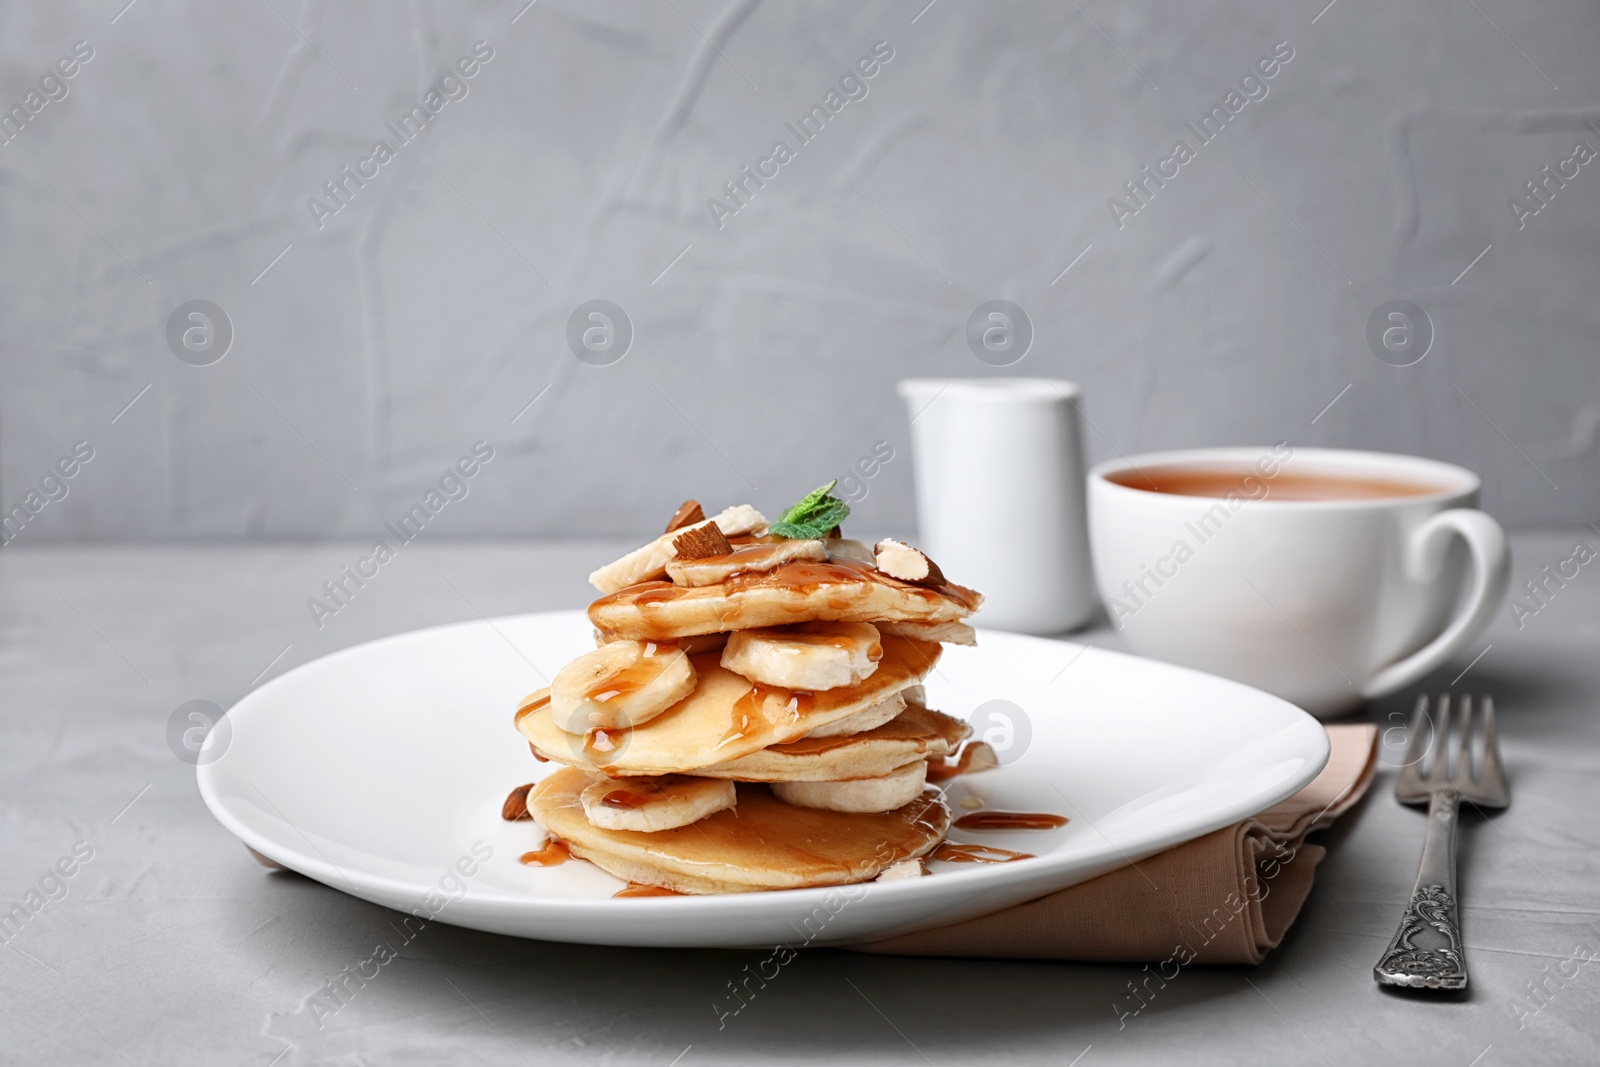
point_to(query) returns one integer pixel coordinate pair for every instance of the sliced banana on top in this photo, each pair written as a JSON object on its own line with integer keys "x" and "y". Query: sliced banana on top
{"x": 651, "y": 805}
{"x": 892, "y": 791}
{"x": 810, "y": 656}
{"x": 649, "y": 562}
{"x": 713, "y": 570}
{"x": 863, "y": 720}
{"x": 620, "y": 685}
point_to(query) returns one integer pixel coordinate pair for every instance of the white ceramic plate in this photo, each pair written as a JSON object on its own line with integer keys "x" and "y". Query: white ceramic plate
{"x": 380, "y": 771}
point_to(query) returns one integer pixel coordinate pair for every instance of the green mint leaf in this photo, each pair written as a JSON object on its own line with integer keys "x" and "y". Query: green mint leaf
{"x": 817, "y": 513}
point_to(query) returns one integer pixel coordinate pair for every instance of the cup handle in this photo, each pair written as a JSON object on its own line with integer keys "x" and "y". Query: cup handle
{"x": 1491, "y": 563}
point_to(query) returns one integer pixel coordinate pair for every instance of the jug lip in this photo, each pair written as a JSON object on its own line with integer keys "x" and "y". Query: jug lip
{"x": 995, "y": 390}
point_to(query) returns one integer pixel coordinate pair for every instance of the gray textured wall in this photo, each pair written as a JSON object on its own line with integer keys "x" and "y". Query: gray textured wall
{"x": 430, "y": 310}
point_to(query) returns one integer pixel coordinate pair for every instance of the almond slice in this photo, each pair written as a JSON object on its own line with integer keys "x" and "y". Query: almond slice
{"x": 516, "y": 806}
{"x": 905, "y": 869}
{"x": 702, "y": 542}
{"x": 899, "y": 560}
{"x": 689, "y": 512}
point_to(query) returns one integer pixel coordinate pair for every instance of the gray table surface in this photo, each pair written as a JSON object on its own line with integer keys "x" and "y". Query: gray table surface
{"x": 172, "y": 946}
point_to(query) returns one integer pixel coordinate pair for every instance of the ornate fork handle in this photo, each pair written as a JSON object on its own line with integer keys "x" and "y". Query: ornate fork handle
{"x": 1438, "y": 961}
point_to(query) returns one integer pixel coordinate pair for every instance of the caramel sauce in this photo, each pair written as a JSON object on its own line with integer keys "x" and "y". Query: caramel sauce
{"x": 1010, "y": 820}
{"x": 803, "y": 576}
{"x": 807, "y": 574}
{"x": 953, "y": 852}
{"x": 621, "y": 683}
{"x": 944, "y": 770}
{"x": 656, "y": 593}
{"x": 624, "y": 798}
{"x": 749, "y": 711}
{"x": 600, "y": 741}
{"x": 772, "y": 843}
{"x": 639, "y": 889}
{"x": 820, "y": 633}
{"x": 532, "y": 706}
{"x": 554, "y": 853}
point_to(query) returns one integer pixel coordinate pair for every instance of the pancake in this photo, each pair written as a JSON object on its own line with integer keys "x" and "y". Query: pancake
{"x": 915, "y": 734}
{"x": 760, "y": 844}
{"x": 836, "y": 590}
{"x": 725, "y": 718}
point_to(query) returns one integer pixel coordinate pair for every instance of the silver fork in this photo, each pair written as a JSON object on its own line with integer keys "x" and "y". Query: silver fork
{"x": 1427, "y": 950}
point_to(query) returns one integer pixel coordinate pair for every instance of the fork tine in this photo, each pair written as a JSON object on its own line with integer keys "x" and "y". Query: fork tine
{"x": 1414, "y": 749}
{"x": 1439, "y": 771}
{"x": 1489, "y": 769}
{"x": 1463, "y": 775}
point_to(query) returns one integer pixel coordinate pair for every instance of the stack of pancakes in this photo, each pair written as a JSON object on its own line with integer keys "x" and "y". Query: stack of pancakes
{"x": 753, "y": 715}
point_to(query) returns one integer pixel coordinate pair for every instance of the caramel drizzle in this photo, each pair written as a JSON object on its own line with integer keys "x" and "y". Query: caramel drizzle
{"x": 554, "y": 853}
{"x": 945, "y": 770}
{"x": 532, "y": 706}
{"x": 954, "y": 852}
{"x": 624, "y": 798}
{"x": 749, "y": 711}
{"x": 1010, "y": 820}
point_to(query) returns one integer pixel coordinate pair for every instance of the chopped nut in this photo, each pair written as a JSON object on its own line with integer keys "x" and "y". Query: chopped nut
{"x": 905, "y": 869}
{"x": 702, "y": 542}
{"x": 516, "y": 806}
{"x": 689, "y": 512}
{"x": 899, "y": 560}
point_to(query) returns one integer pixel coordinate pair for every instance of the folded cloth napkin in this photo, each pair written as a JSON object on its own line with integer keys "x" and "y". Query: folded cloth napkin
{"x": 1227, "y": 897}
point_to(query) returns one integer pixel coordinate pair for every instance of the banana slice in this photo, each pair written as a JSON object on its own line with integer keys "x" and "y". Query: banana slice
{"x": 861, "y": 795}
{"x": 620, "y": 685}
{"x": 863, "y": 720}
{"x": 810, "y": 656}
{"x": 713, "y": 570}
{"x": 650, "y": 805}
{"x": 953, "y": 633}
{"x": 649, "y": 562}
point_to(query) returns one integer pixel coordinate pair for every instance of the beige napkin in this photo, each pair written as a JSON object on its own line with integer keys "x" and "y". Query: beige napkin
{"x": 1227, "y": 897}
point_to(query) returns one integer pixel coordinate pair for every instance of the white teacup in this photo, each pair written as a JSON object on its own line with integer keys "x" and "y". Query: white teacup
{"x": 1326, "y": 577}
